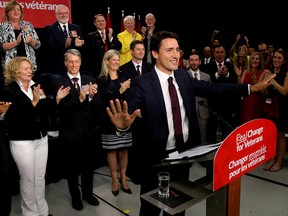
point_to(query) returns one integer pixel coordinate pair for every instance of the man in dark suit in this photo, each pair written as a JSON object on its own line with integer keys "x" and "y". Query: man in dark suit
{"x": 207, "y": 56}
{"x": 78, "y": 129}
{"x": 147, "y": 33}
{"x": 228, "y": 105}
{"x": 60, "y": 37}
{"x": 137, "y": 51}
{"x": 149, "y": 99}
{"x": 98, "y": 42}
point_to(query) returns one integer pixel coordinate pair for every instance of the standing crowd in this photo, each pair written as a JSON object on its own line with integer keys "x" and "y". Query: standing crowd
{"x": 115, "y": 91}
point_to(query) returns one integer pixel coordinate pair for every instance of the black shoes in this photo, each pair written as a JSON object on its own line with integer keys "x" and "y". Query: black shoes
{"x": 77, "y": 204}
{"x": 91, "y": 200}
{"x": 125, "y": 190}
{"x": 115, "y": 193}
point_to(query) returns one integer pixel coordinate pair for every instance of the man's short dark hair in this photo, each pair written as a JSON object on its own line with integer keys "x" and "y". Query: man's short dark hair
{"x": 159, "y": 36}
{"x": 134, "y": 43}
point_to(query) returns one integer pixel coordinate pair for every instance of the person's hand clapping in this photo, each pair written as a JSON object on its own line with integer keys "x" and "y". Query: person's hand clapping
{"x": 4, "y": 106}
{"x": 92, "y": 89}
{"x": 262, "y": 85}
{"x": 79, "y": 42}
{"x": 125, "y": 86}
{"x": 68, "y": 42}
{"x": 62, "y": 93}
{"x": 38, "y": 94}
{"x": 83, "y": 92}
{"x": 110, "y": 33}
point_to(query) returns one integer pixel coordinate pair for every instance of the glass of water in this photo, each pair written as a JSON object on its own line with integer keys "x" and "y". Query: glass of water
{"x": 163, "y": 184}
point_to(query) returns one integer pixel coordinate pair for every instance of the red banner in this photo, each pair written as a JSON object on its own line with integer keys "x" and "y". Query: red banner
{"x": 138, "y": 24}
{"x": 39, "y": 13}
{"x": 246, "y": 148}
{"x": 122, "y": 22}
{"x": 108, "y": 20}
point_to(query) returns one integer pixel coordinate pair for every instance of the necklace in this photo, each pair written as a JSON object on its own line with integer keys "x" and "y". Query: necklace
{"x": 254, "y": 78}
{"x": 16, "y": 26}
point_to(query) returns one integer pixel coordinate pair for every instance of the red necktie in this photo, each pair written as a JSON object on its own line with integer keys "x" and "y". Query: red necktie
{"x": 219, "y": 65}
{"x": 177, "y": 122}
{"x": 138, "y": 70}
{"x": 76, "y": 84}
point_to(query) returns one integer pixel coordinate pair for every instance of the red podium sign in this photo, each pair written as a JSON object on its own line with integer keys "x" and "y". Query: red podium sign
{"x": 246, "y": 148}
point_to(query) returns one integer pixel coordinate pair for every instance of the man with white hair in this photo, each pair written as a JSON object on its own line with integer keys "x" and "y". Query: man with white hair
{"x": 147, "y": 32}
{"x": 61, "y": 36}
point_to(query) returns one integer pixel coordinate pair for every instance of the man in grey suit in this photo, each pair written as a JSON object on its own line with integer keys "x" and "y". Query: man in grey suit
{"x": 202, "y": 112}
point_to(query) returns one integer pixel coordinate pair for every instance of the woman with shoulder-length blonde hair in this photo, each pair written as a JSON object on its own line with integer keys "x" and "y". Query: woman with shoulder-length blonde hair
{"x": 251, "y": 105}
{"x": 113, "y": 85}
{"x": 26, "y": 124}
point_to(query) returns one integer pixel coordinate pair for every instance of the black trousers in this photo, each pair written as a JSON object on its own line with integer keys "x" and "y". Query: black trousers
{"x": 86, "y": 184}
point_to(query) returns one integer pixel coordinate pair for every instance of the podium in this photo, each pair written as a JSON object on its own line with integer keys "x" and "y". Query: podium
{"x": 246, "y": 148}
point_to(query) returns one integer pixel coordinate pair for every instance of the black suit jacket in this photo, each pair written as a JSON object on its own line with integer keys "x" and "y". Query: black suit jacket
{"x": 23, "y": 120}
{"x": 78, "y": 126}
{"x": 227, "y": 106}
{"x": 145, "y": 41}
{"x": 55, "y": 46}
{"x": 95, "y": 48}
{"x": 211, "y": 68}
{"x": 152, "y": 131}
{"x": 130, "y": 71}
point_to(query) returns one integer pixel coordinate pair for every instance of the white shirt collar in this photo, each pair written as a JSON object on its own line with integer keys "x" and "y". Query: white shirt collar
{"x": 62, "y": 25}
{"x": 71, "y": 76}
{"x": 135, "y": 64}
{"x": 222, "y": 63}
{"x": 30, "y": 92}
{"x": 163, "y": 77}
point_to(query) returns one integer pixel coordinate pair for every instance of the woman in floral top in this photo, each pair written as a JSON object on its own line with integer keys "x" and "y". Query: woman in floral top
{"x": 19, "y": 37}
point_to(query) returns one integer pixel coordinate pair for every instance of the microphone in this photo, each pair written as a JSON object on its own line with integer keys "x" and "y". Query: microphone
{"x": 203, "y": 103}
